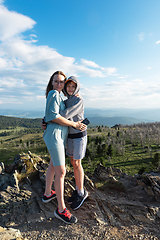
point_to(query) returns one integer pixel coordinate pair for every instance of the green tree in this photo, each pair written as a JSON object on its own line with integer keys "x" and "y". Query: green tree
{"x": 104, "y": 149}
{"x": 99, "y": 129}
{"x": 88, "y": 139}
{"x": 100, "y": 140}
{"x": 110, "y": 150}
{"x": 96, "y": 140}
{"x": 118, "y": 133}
{"x": 156, "y": 160}
{"x": 102, "y": 160}
{"x": 99, "y": 150}
{"x": 141, "y": 170}
{"x": 88, "y": 154}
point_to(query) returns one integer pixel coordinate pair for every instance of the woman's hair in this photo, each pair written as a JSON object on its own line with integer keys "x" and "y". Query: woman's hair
{"x": 50, "y": 86}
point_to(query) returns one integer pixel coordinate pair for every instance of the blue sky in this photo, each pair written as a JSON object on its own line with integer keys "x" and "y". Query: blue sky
{"x": 112, "y": 46}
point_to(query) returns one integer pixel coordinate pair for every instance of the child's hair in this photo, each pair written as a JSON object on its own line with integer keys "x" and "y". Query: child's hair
{"x": 50, "y": 86}
{"x": 69, "y": 81}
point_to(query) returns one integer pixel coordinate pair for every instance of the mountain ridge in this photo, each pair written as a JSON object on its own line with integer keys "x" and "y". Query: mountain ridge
{"x": 6, "y": 121}
{"x": 106, "y": 117}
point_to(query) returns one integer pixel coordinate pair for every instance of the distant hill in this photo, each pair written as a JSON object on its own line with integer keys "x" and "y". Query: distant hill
{"x": 21, "y": 113}
{"x": 111, "y": 121}
{"x": 140, "y": 115}
{"x": 152, "y": 115}
{"x": 6, "y": 121}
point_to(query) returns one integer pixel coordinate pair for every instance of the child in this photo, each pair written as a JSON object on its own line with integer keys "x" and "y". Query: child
{"x": 77, "y": 140}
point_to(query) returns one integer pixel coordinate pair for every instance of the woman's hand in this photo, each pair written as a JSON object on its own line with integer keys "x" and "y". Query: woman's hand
{"x": 79, "y": 125}
{"x": 43, "y": 124}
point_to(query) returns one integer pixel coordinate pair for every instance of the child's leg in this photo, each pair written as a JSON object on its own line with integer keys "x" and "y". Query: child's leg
{"x": 77, "y": 199}
{"x": 78, "y": 173}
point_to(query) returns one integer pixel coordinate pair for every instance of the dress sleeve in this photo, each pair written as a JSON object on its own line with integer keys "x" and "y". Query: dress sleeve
{"x": 72, "y": 111}
{"x": 52, "y": 106}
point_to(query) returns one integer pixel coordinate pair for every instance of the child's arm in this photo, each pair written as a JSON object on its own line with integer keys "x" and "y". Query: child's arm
{"x": 73, "y": 110}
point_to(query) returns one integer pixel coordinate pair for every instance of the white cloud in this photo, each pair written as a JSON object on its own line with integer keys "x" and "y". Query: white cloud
{"x": 158, "y": 42}
{"x": 109, "y": 71}
{"x": 25, "y": 67}
{"x": 101, "y": 72}
{"x": 123, "y": 93}
{"x": 141, "y": 37}
{"x": 89, "y": 63}
{"x": 123, "y": 76}
{"x": 13, "y": 23}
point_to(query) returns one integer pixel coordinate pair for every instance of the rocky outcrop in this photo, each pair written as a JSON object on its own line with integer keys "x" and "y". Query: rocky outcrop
{"x": 10, "y": 234}
{"x": 122, "y": 200}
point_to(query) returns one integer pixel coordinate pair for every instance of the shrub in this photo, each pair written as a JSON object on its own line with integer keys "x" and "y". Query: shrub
{"x": 141, "y": 170}
{"x": 156, "y": 160}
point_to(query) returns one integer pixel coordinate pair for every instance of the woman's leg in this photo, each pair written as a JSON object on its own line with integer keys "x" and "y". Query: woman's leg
{"x": 49, "y": 178}
{"x": 60, "y": 172}
{"x": 78, "y": 173}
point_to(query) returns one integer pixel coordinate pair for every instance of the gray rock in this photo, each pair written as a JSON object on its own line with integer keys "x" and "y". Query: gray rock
{"x": 9, "y": 233}
{"x": 1, "y": 167}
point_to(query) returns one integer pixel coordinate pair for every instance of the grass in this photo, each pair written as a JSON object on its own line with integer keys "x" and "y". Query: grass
{"x": 134, "y": 157}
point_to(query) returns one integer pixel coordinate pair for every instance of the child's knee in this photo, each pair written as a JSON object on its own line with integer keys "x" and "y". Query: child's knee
{"x": 76, "y": 163}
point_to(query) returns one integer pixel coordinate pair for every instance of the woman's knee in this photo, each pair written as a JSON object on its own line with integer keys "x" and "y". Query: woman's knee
{"x": 60, "y": 171}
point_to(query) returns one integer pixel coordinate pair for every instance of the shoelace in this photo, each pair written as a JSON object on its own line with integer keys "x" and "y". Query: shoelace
{"x": 66, "y": 213}
{"x": 53, "y": 192}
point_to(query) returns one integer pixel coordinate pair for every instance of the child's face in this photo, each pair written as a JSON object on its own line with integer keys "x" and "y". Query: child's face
{"x": 71, "y": 87}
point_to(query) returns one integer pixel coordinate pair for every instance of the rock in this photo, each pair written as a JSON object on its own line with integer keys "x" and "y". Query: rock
{"x": 3, "y": 180}
{"x": 2, "y": 168}
{"x": 88, "y": 182}
{"x": 10, "y": 168}
{"x": 21, "y": 202}
{"x": 10, "y": 234}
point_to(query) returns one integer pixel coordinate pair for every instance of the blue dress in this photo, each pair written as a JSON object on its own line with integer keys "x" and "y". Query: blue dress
{"x": 55, "y": 134}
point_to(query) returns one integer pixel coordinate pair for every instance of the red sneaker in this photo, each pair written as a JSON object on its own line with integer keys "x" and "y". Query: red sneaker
{"x": 65, "y": 216}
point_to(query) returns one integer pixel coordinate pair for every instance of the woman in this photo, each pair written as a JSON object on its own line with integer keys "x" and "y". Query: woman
{"x": 55, "y": 136}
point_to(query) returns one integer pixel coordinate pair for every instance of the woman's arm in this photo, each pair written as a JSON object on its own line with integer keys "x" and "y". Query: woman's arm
{"x": 62, "y": 121}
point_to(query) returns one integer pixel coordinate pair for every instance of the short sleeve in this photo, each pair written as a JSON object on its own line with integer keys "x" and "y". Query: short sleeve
{"x": 52, "y": 106}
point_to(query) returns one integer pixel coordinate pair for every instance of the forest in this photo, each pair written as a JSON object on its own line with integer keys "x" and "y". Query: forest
{"x": 13, "y": 122}
{"x": 132, "y": 148}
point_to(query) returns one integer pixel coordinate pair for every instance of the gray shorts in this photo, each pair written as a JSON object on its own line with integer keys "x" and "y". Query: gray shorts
{"x": 76, "y": 147}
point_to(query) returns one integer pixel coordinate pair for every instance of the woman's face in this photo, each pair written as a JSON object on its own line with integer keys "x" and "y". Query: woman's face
{"x": 58, "y": 82}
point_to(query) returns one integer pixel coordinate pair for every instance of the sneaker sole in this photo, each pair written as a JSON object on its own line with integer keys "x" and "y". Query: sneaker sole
{"x": 57, "y": 216}
{"x": 48, "y": 200}
{"x": 81, "y": 202}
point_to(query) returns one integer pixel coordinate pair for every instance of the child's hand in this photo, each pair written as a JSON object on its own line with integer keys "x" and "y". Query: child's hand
{"x": 78, "y": 95}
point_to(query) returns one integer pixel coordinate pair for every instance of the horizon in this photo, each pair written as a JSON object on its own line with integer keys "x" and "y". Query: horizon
{"x": 114, "y": 54}
{"x": 140, "y": 115}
